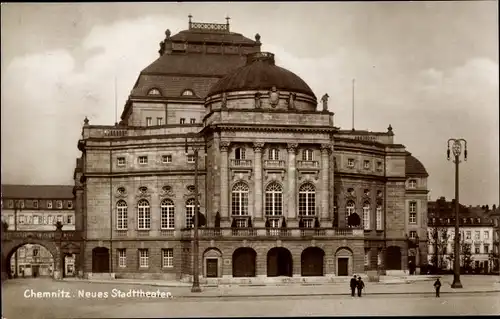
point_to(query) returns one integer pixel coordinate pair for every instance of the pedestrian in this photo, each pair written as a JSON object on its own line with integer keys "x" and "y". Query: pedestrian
{"x": 354, "y": 284}
{"x": 437, "y": 286}
{"x": 361, "y": 286}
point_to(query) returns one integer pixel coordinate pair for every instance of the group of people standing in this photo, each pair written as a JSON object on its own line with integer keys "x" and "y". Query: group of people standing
{"x": 357, "y": 283}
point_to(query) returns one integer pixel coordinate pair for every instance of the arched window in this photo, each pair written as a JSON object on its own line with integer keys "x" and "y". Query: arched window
{"x": 240, "y": 199}
{"x": 274, "y": 154}
{"x": 167, "y": 214}
{"x": 307, "y": 200}
{"x": 121, "y": 215}
{"x": 366, "y": 215}
{"x": 350, "y": 208}
{"x": 187, "y": 93}
{"x": 307, "y": 155}
{"x": 144, "y": 215}
{"x": 190, "y": 213}
{"x": 239, "y": 153}
{"x": 154, "y": 91}
{"x": 379, "y": 216}
{"x": 274, "y": 200}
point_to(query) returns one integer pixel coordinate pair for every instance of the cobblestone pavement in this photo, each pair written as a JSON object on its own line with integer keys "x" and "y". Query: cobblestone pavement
{"x": 15, "y": 303}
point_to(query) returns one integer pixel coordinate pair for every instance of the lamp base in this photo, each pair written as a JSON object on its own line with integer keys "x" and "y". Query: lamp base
{"x": 456, "y": 282}
{"x": 195, "y": 288}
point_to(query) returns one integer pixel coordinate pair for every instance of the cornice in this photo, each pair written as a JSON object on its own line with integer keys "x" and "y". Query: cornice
{"x": 144, "y": 173}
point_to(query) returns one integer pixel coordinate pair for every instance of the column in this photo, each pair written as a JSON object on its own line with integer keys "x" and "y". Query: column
{"x": 224, "y": 195}
{"x": 257, "y": 167}
{"x": 325, "y": 170}
{"x": 292, "y": 175}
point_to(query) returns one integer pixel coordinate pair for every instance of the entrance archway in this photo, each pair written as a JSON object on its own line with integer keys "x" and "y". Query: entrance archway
{"x": 32, "y": 260}
{"x": 312, "y": 262}
{"x": 344, "y": 261}
{"x": 279, "y": 262}
{"x": 393, "y": 258}
{"x": 100, "y": 260}
{"x": 244, "y": 259}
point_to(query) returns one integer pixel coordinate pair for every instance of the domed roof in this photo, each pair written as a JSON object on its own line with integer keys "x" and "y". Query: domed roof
{"x": 414, "y": 166}
{"x": 261, "y": 73}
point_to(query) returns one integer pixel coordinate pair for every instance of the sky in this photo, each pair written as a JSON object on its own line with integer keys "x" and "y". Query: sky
{"x": 429, "y": 69}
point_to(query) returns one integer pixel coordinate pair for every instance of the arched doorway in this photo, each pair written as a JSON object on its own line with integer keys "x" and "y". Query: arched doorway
{"x": 212, "y": 263}
{"x": 100, "y": 260}
{"x": 244, "y": 262}
{"x": 30, "y": 260}
{"x": 279, "y": 262}
{"x": 312, "y": 262}
{"x": 393, "y": 258}
{"x": 344, "y": 261}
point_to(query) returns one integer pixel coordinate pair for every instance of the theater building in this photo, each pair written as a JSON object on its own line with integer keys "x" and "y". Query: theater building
{"x": 277, "y": 180}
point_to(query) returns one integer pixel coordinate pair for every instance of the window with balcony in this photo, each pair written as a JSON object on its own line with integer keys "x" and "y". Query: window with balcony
{"x": 366, "y": 215}
{"x": 190, "y": 213}
{"x": 412, "y": 213}
{"x": 241, "y": 223}
{"x": 274, "y": 197}
{"x": 307, "y": 200}
{"x": 122, "y": 257}
{"x": 167, "y": 214}
{"x": 143, "y": 215}
{"x": 149, "y": 121}
{"x": 143, "y": 258}
{"x": 239, "y": 153}
{"x": 412, "y": 184}
{"x": 143, "y": 160}
{"x": 350, "y": 162}
{"x": 121, "y": 215}
{"x": 307, "y": 155}
{"x": 239, "y": 199}
{"x": 167, "y": 257}
{"x": 274, "y": 154}
{"x": 308, "y": 223}
{"x": 350, "y": 208}
{"x": 166, "y": 159}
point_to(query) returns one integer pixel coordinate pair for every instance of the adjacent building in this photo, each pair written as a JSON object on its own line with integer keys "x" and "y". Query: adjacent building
{"x": 477, "y": 232}
{"x": 282, "y": 190}
{"x": 37, "y": 208}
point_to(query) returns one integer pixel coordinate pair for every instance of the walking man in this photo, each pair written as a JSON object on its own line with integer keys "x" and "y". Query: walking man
{"x": 437, "y": 286}
{"x": 361, "y": 285}
{"x": 354, "y": 284}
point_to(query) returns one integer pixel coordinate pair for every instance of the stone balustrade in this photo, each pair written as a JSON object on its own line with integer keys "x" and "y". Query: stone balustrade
{"x": 241, "y": 163}
{"x": 308, "y": 164}
{"x": 274, "y": 164}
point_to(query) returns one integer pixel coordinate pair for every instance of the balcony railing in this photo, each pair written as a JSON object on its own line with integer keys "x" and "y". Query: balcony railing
{"x": 274, "y": 163}
{"x": 273, "y": 232}
{"x": 241, "y": 163}
{"x": 307, "y": 164}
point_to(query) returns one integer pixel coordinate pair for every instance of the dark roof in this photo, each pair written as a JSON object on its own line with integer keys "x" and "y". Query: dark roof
{"x": 202, "y": 36}
{"x": 37, "y": 191}
{"x": 261, "y": 73}
{"x": 414, "y": 166}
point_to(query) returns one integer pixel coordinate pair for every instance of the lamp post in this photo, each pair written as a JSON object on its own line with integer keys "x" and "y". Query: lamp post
{"x": 457, "y": 150}
{"x": 196, "y": 279}
{"x": 17, "y": 205}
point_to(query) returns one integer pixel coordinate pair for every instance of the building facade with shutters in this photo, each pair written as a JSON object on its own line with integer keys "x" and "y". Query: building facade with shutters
{"x": 281, "y": 190}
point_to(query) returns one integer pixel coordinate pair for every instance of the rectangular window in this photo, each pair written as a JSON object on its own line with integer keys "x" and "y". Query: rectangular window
{"x": 308, "y": 223}
{"x": 122, "y": 258}
{"x": 167, "y": 216}
{"x": 60, "y": 218}
{"x": 379, "y": 217}
{"x": 350, "y": 162}
{"x": 412, "y": 184}
{"x": 413, "y": 213}
{"x": 274, "y": 223}
{"x": 49, "y": 204}
{"x": 36, "y": 220}
{"x": 121, "y": 216}
{"x": 21, "y": 204}
{"x": 51, "y": 220}
{"x": 59, "y": 204}
{"x": 11, "y": 220}
{"x": 167, "y": 258}
{"x": 121, "y": 161}
{"x": 380, "y": 166}
{"x": 486, "y": 249}
{"x": 69, "y": 219}
{"x": 20, "y": 219}
{"x": 35, "y": 204}
{"x": 413, "y": 234}
{"x": 190, "y": 158}
{"x": 70, "y": 204}
{"x": 477, "y": 235}
{"x": 366, "y": 217}
{"x": 159, "y": 121}
{"x": 486, "y": 234}
{"x": 192, "y": 121}
{"x": 149, "y": 121}
{"x": 477, "y": 250}
{"x": 143, "y": 258}
{"x": 183, "y": 120}
{"x": 367, "y": 258}
{"x": 165, "y": 159}
{"x": 144, "y": 218}
{"x": 366, "y": 164}
{"x": 468, "y": 234}
{"x": 241, "y": 223}
{"x": 143, "y": 160}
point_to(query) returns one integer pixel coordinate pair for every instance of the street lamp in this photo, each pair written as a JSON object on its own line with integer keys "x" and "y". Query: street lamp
{"x": 196, "y": 279}
{"x": 457, "y": 150}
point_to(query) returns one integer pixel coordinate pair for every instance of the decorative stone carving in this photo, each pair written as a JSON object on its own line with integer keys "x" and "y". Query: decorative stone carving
{"x": 258, "y": 102}
{"x": 224, "y": 146}
{"x": 166, "y": 191}
{"x": 121, "y": 192}
{"x": 224, "y": 100}
{"x": 292, "y": 147}
{"x": 324, "y": 99}
{"x": 258, "y": 146}
{"x": 86, "y": 121}
{"x": 279, "y": 243}
{"x": 326, "y": 148}
{"x": 291, "y": 101}
{"x": 143, "y": 193}
{"x": 274, "y": 97}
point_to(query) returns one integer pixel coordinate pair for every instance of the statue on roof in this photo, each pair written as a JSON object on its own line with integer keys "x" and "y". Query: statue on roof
{"x": 224, "y": 100}
{"x": 291, "y": 101}
{"x": 324, "y": 99}
{"x": 257, "y": 100}
{"x": 274, "y": 97}
{"x": 162, "y": 48}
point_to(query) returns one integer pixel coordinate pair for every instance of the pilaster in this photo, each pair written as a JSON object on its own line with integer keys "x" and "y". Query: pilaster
{"x": 224, "y": 175}
{"x": 257, "y": 147}
{"x": 325, "y": 169}
{"x": 292, "y": 177}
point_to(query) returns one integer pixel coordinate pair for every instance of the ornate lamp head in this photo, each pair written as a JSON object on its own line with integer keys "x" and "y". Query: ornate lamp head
{"x": 457, "y": 148}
